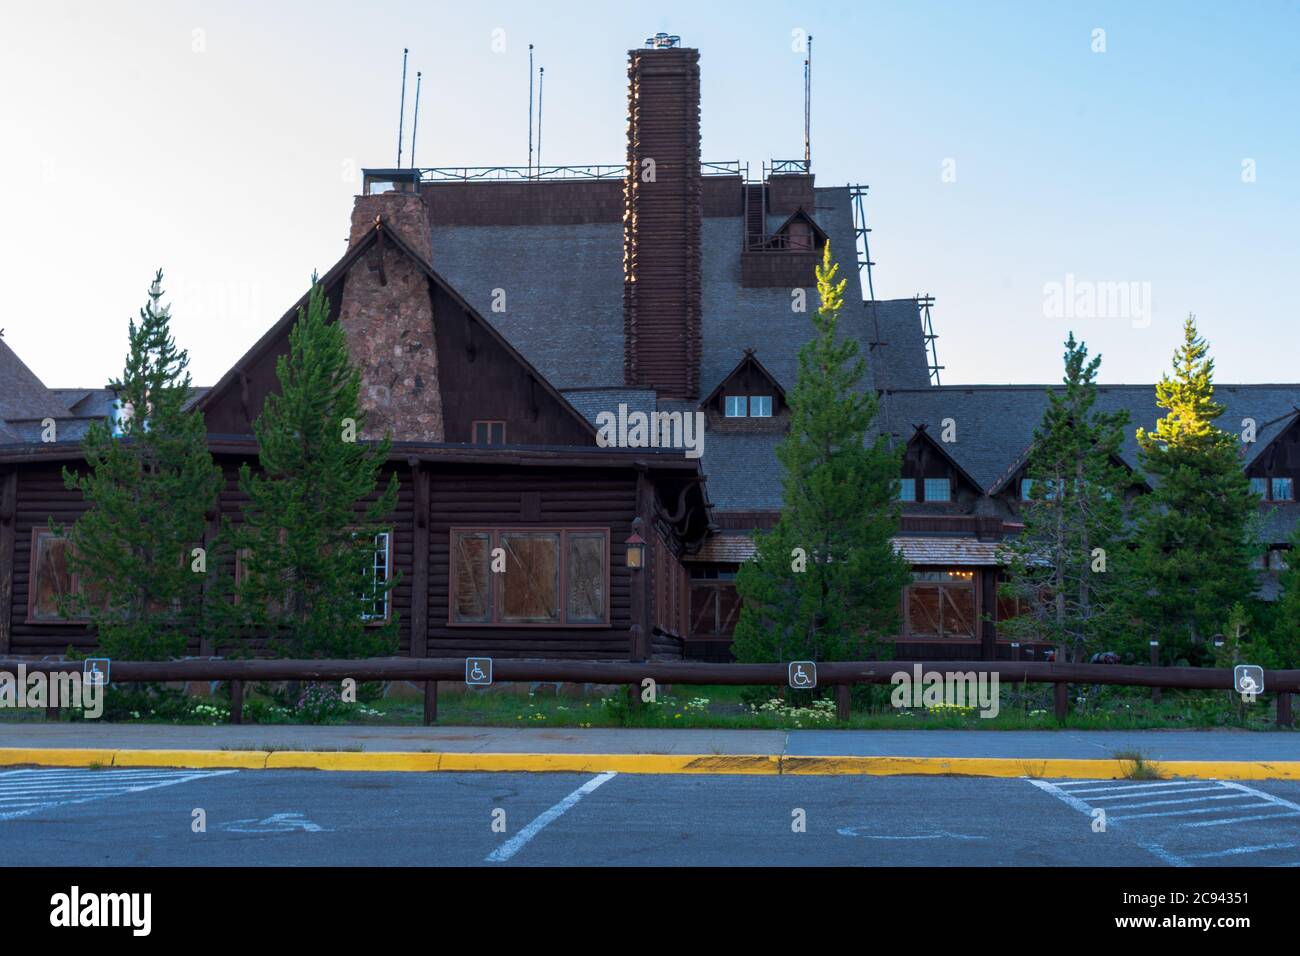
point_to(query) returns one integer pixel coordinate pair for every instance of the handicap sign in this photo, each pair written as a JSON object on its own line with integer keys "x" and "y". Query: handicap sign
{"x": 478, "y": 671}
{"x": 1248, "y": 680}
{"x": 94, "y": 671}
{"x": 803, "y": 674}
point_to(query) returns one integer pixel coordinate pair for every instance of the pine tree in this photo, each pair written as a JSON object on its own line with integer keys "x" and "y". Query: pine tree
{"x": 1192, "y": 560}
{"x": 825, "y": 581}
{"x": 308, "y": 538}
{"x": 150, "y": 488}
{"x": 1285, "y": 637}
{"x": 1064, "y": 569}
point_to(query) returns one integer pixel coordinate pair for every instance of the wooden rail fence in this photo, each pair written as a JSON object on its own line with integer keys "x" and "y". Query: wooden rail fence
{"x": 841, "y": 675}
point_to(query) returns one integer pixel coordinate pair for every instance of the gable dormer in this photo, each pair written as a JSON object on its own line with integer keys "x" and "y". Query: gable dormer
{"x": 1274, "y": 470}
{"x": 932, "y": 477}
{"x": 799, "y": 233}
{"x": 748, "y": 399}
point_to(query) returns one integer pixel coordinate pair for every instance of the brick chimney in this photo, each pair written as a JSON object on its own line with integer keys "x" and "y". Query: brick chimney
{"x": 662, "y": 218}
{"x": 387, "y": 313}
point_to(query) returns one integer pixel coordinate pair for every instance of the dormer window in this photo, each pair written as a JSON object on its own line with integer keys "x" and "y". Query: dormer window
{"x": 760, "y": 406}
{"x": 938, "y": 489}
{"x": 1274, "y": 489}
{"x": 736, "y": 406}
{"x": 489, "y": 433}
{"x": 748, "y": 391}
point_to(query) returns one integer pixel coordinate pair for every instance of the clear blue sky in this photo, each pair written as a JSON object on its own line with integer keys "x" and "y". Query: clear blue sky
{"x": 126, "y": 148}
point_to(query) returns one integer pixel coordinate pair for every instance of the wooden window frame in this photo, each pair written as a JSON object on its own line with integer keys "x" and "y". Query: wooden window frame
{"x": 726, "y": 406}
{"x": 770, "y": 406}
{"x": 74, "y": 583}
{"x": 926, "y": 498}
{"x": 489, "y": 422}
{"x": 494, "y": 534}
{"x": 1272, "y": 496}
{"x": 977, "y": 615}
{"x": 903, "y": 483}
{"x": 373, "y": 621}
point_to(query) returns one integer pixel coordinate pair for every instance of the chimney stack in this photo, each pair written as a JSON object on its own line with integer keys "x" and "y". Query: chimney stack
{"x": 662, "y": 220}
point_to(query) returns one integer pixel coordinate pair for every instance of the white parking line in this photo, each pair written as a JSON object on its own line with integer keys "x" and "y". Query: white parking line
{"x": 24, "y": 792}
{"x": 516, "y": 843}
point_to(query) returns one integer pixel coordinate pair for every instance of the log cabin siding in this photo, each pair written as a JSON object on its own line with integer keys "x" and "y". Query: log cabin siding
{"x": 481, "y": 497}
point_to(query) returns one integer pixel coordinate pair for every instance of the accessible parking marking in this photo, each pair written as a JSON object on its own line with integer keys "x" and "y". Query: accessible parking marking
{"x": 24, "y": 792}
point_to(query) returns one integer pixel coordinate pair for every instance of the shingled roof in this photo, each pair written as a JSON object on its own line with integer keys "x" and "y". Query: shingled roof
{"x": 22, "y": 394}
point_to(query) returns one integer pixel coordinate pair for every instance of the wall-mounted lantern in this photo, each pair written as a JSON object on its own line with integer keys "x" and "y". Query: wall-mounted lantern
{"x": 635, "y": 547}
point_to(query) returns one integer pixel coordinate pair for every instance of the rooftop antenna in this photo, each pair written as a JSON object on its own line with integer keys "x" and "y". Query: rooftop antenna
{"x": 401, "y": 120}
{"x": 415, "y": 123}
{"x": 530, "y": 111}
{"x": 807, "y": 108}
{"x": 541, "y": 85}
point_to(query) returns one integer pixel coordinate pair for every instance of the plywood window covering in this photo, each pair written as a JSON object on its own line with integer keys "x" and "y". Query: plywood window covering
{"x": 489, "y": 433}
{"x": 941, "y": 604}
{"x": 552, "y": 577}
{"x": 50, "y": 578}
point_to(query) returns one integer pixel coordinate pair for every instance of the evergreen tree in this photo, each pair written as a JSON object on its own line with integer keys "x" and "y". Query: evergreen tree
{"x": 1192, "y": 560}
{"x": 307, "y": 540}
{"x": 825, "y": 581}
{"x": 1286, "y": 611}
{"x": 1065, "y": 567}
{"x": 150, "y": 483}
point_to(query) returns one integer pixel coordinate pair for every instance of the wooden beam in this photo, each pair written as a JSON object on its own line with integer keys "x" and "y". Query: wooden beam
{"x": 8, "y": 542}
{"x": 420, "y": 561}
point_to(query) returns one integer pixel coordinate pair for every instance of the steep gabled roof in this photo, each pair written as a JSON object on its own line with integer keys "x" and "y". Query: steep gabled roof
{"x": 337, "y": 274}
{"x": 22, "y": 394}
{"x": 1267, "y": 433}
{"x": 801, "y": 215}
{"x": 922, "y": 433}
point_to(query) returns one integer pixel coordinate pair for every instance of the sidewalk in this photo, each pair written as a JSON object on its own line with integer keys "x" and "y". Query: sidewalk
{"x": 1239, "y": 755}
{"x": 1022, "y": 744}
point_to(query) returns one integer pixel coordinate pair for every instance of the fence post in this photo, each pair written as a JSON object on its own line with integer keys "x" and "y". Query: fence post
{"x": 1061, "y": 692}
{"x": 843, "y": 702}
{"x": 430, "y": 702}
{"x": 236, "y": 701}
{"x": 1284, "y": 718}
{"x": 1155, "y": 662}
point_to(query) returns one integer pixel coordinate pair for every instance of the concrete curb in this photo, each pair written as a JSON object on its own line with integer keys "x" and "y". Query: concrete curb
{"x": 762, "y": 764}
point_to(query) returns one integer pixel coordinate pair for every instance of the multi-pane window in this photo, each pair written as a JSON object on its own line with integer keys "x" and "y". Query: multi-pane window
{"x": 937, "y": 489}
{"x": 737, "y": 406}
{"x": 760, "y": 406}
{"x": 940, "y": 604}
{"x": 530, "y": 577}
{"x": 375, "y": 599}
{"x": 489, "y": 433}
{"x": 1260, "y": 487}
{"x": 906, "y": 489}
{"x": 1283, "y": 489}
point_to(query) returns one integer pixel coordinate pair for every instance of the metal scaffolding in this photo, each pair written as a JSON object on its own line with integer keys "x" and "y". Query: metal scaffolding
{"x": 923, "y": 304}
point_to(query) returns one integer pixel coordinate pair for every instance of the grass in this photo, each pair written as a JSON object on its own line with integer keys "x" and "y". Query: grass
{"x": 1022, "y": 707}
{"x": 1135, "y": 765}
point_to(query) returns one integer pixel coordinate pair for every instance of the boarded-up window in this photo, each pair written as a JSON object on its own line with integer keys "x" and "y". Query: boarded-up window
{"x": 51, "y": 578}
{"x": 530, "y": 586}
{"x": 538, "y": 577}
{"x": 586, "y": 577}
{"x": 471, "y": 600}
{"x": 941, "y": 604}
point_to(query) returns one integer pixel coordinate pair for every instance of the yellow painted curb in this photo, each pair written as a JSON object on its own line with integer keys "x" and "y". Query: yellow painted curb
{"x": 192, "y": 759}
{"x": 54, "y": 757}
{"x": 351, "y": 760}
{"x": 743, "y": 764}
{"x": 622, "y": 763}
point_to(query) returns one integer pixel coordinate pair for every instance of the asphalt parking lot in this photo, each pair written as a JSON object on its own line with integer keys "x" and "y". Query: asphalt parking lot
{"x": 115, "y": 817}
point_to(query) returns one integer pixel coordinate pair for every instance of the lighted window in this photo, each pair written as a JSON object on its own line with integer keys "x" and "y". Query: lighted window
{"x": 489, "y": 433}
{"x": 938, "y": 489}
{"x": 735, "y": 406}
{"x": 906, "y": 489}
{"x": 760, "y": 406}
{"x": 1283, "y": 489}
{"x": 530, "y": 577}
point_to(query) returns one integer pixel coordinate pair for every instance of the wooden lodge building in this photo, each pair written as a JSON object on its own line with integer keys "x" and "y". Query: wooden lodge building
{"x": 497, "y": 315}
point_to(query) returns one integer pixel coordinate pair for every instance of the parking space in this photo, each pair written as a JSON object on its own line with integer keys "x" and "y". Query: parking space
{"x": 271, "y": 817}
{"x": 1193, "y": 822}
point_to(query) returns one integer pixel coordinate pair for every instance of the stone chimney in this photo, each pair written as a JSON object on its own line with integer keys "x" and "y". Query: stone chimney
{"x": 387, "y": 313}
{"x": 662, "y": 218}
